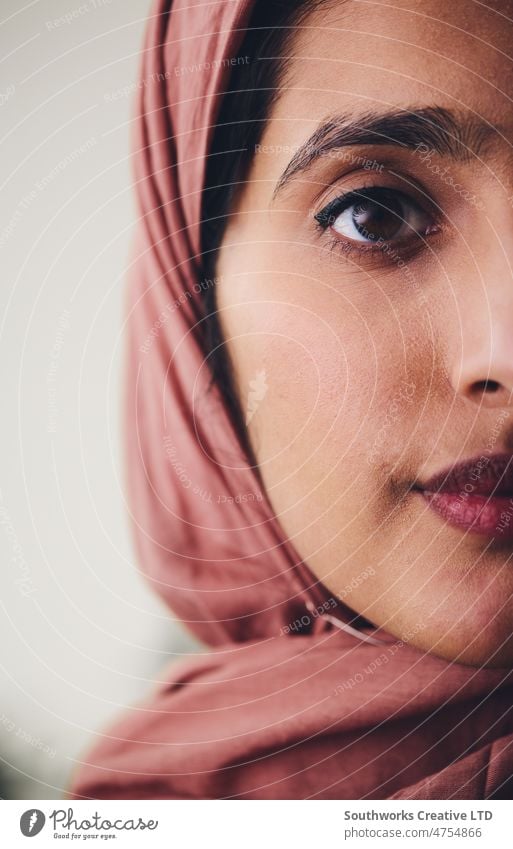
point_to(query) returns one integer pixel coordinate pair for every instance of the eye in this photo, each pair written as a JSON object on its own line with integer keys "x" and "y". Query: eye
{"x": 376, "y": 214}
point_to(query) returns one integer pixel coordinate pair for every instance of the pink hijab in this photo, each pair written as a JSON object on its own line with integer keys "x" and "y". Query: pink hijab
{"x": 268, "y": 711}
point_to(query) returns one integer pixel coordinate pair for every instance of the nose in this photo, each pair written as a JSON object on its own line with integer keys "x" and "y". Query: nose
{"x": 484, "y": 373}
{"x": 483, "y": 370}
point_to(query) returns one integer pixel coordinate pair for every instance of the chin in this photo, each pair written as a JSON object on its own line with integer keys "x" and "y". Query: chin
{"x": 486, "y": 650}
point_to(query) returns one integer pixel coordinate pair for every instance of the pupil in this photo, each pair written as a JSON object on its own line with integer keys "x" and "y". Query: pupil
{"x": 378, "y": 221}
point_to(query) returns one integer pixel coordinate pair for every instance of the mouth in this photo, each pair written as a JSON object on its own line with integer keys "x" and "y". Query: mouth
{"x": 475, "y": 495}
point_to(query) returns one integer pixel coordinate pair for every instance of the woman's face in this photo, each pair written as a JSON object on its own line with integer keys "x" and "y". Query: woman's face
{"x": 366, "y": 299}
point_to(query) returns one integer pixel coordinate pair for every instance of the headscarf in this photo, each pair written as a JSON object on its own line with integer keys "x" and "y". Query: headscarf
{"x": 286, "y": 701}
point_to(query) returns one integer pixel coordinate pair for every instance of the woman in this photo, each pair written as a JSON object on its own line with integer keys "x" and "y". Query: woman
{"x": 318, "y": 406}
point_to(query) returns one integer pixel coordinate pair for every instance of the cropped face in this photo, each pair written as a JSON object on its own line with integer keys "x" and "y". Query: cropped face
{"x": 366, "y": 299}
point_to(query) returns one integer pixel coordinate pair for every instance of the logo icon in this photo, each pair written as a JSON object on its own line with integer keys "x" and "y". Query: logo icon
{"x": 31, "y": 822}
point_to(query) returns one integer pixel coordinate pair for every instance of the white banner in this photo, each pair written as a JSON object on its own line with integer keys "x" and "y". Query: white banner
{"x": 256, "y": 825}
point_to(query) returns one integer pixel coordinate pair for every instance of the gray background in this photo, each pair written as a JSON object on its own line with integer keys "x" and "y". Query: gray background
{"x": 81, "y": 632}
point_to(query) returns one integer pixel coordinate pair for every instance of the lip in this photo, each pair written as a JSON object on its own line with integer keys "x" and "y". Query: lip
{"x": 475, "y": 495}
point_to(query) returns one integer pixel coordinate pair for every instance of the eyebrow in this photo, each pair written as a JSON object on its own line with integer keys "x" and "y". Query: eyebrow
{"x": 443, "y": 131}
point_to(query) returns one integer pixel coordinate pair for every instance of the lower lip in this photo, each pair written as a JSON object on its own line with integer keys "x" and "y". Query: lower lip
{"x": 480, "y": 514}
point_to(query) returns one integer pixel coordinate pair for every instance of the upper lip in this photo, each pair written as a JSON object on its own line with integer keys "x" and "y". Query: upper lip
{"x": 490, "y": 474}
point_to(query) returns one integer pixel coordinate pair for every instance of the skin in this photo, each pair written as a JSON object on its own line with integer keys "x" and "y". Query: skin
{"x": 340, "y": 434}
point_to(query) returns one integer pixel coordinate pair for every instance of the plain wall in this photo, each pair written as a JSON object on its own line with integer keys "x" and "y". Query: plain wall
{"x": 81, "y": 632}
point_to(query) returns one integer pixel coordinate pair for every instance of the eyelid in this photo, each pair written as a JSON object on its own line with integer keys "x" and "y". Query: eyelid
{"x": 360, "y": 180}
{"x": 408, "y": 246}
{"x": 342, "y": 202}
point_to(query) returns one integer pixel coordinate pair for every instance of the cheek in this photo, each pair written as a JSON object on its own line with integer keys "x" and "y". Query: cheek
{"x": 329, "y": 375}
{"x": 311, "y": 368}
{"x": 321, "y": 359}
{"x": 314, "y": 381}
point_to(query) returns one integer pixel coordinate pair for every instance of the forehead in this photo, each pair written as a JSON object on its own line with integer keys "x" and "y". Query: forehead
{"x": 375, "y": 55}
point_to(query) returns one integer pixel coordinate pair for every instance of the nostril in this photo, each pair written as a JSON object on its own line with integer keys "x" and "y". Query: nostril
{"x": 487, "y": 386}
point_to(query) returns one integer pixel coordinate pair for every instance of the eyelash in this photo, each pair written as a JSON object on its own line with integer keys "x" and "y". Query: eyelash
{"x": 328, "y": 216}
